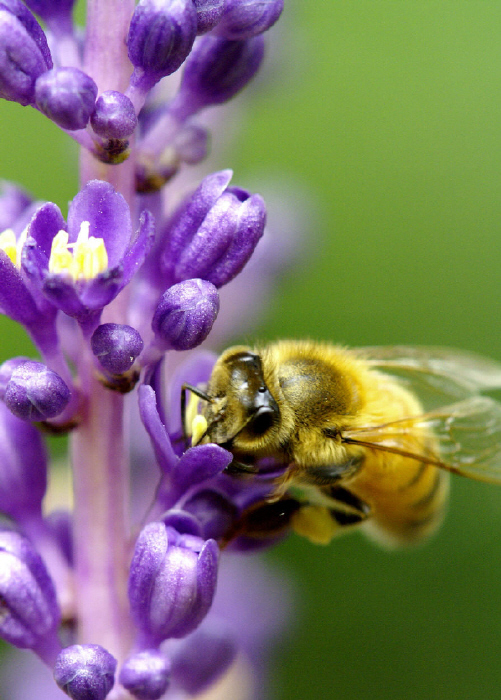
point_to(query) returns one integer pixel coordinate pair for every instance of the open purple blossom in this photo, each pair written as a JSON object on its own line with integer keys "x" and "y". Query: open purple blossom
{"x": 110, "y": 295}
{"x": 81, "y": 266}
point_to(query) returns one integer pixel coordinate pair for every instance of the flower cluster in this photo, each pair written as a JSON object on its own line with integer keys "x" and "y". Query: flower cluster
{"x": 116, "y": 605}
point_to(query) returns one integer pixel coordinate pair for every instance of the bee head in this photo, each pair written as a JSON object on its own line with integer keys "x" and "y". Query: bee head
{"x": 242, "y": 413}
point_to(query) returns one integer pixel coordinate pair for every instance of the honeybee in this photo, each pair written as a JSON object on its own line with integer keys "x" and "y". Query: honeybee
{"x": 367, "y": 437}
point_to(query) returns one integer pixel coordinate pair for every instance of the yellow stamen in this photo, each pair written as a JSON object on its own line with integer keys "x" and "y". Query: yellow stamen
{"x": 88, "y": 259}
{"x": 8, "y": 244}
{"x": 198, "y": 429}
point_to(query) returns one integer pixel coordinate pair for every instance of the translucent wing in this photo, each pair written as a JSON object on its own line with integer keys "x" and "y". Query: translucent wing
{"x": 438, "y": 376}
{"x": 466, "y": 437}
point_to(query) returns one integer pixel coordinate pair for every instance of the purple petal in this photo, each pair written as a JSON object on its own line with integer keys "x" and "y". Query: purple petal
{"x": 136, "y": 254}
{"x": 23, "y": 466}
{"x": 162, "y": 446}
{"x": 192, "y": 213}
{"x": 15, "y": 299}
{"x": 108, "y": 215}
{"x": 45, "y": 224}
{"x": 200, "y": 463}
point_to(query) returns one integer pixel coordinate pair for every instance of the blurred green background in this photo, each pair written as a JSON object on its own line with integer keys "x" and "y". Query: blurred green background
{"x": 388, "y": 113}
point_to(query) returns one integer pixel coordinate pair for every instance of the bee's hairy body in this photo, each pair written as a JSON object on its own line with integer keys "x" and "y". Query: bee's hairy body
{"x": 295, "y": 401}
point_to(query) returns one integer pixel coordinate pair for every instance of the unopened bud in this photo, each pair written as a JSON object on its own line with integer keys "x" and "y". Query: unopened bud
{"x": 67, "y": 96}
{"x": 85, "y": 671}
{"x": 185, "y": 314}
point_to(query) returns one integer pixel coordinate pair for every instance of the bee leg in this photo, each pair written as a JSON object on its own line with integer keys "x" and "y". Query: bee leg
{"x": 236, "y": 468}
{"x": 327, "y": 474}
{"x": 351, "y": 509}
{"x": 263, "y": 521}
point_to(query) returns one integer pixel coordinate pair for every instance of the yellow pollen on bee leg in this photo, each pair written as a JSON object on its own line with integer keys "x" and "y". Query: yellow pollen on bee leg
{"x": 198, "y": 429}
{"x": 315, "y": 523}
{"x": 88, "y": 258}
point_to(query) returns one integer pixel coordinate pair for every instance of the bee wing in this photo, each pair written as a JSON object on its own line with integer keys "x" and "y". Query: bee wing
{"x": 466, "y": 437}
{"x": 437, "y": 375}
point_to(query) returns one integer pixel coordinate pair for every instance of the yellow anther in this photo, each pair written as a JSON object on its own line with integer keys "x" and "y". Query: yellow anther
{"x": 198, "y": 429}
{"x": 88, "y": 259}
{"x": 8, "y": 244}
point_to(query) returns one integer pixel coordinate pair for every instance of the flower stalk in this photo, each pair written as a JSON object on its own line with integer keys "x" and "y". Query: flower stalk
{"x": 118, "y": 598}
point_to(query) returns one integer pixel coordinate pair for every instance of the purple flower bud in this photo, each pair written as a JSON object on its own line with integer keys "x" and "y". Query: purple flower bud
{"x": 245, "y": 18}
{"x": 67, "y": 96}
{"x": 209, "y": 12}
{"x": 116, "y": 346}
{"x": 217, "y": 69}
{"x": 214, "y": 233}
{"x": 24, "y": 52}
{"x": 185, "y": 314}
{"x": 161, "y": 35}
{"x": 29, "y": 613}
{"x": 34, "y": 392}
{"x": 23, "y": 467}
{"x": 172, "y": 582}
{"x": 85, "y": 671}
{"x": 146, "y": 675}
{"x": 202, "y": 658}
{"x": 114, "y": 116}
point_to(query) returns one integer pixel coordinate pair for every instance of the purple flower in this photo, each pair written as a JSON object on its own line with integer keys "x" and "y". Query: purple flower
{"x": 116, "y": 346}
{"x": 81, "y": 268}
{"x": 67, "y": 96}
{"x": 36, "y": 313}
{"x": 29, "y": 611}
{"x": 215, "y": 231}
{"x": 23, "y": 467}
{"x": 85, "y": 671}
{"x": 171, "y": 584}
{"x": 114, "y": 116}
{"x": 216, "y": 70}
{"x": 185, "y": 314}
{"x": 146, "y": 674}
{"x": 34, "y": 392}
{"x": 195, "y": 466}
{"x": 160, "y": 38}
{"x": 245, "y": 18}
{"x": 24, "y": 52}
{"x": 52, "y": 10}
{"x": 209, "y": 12}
